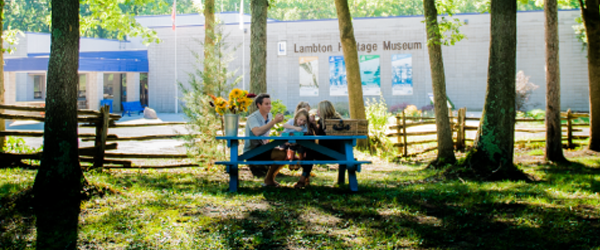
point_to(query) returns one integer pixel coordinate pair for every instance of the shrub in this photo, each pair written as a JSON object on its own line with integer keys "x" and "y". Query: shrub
{"x": 378, "y": 115}
{"x": 396, "y": 109}
{"x": 342, "y": 109}
{"x": 524, "y": 89}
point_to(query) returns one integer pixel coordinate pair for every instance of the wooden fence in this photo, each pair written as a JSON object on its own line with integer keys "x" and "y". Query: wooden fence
{"x": 459, "y": 129}
{"x": 102, "y": 120}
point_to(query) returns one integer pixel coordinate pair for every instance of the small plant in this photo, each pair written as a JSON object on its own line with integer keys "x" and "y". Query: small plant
{"x": 397, "y": 109}
{"x": 412, "y": 110}
{"x": 278, "y": 108}
{"x": 18, "y": 146}
{"x": 524, "y": 91}
{"x": 342, "y": 109}
{"x": 378, "y": 115}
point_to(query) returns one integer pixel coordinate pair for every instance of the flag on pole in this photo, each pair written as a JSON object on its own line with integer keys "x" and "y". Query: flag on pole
{"x": 242, "y": 15}
{"x": 173, "y": 13}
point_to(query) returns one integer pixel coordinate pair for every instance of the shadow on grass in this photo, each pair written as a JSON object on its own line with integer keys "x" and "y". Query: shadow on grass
{"x": 17, "y": 220}
{"x": 423, "y": 215}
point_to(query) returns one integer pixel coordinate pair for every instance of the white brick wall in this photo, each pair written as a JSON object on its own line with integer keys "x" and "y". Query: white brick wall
{"x": 465, "y": 63}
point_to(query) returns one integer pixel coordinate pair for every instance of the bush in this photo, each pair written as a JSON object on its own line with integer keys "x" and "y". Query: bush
{"x": 396, "y": 109}
{"x": 342, "y": 109}
{"x": 524, "y": 89}
{"x": 378, "y": 115}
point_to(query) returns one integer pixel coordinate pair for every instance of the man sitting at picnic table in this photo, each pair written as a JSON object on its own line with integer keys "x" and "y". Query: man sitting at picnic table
{"x": 260, "y": 123}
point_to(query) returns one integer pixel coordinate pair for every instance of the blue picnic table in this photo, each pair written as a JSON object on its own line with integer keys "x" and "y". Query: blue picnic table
{"x": 344, "y": 157}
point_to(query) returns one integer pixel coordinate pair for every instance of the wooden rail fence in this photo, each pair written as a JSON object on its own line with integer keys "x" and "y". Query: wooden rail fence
{"x": 459, "y": 129}
{"x": 102, "y": 120}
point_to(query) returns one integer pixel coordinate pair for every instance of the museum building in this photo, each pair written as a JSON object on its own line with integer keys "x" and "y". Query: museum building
{"x": 304, "y": 62}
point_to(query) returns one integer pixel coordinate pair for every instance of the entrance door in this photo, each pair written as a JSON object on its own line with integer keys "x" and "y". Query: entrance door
{"x": 144, "y": 88}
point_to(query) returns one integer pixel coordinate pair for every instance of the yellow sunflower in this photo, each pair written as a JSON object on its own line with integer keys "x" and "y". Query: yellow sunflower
{"x": 235, "y": 94}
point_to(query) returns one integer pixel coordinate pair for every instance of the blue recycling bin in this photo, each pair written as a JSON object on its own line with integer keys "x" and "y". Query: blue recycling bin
{"x": 108, "y": 102}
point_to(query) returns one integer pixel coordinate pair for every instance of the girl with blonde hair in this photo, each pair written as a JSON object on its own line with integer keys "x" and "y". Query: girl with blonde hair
{"x": 325, "y": 110}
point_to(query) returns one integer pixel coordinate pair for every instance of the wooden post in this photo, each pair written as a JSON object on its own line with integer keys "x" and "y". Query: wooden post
{"x": 460, "y": 126}
{"x": 405, "y": 151}
{"x": 101, "y": 133}
{"x": 399, "y": 128}
{"x": 569, "y": 130}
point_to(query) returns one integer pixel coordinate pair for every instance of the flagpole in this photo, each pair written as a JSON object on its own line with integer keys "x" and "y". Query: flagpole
{"x": 243, "y": 45}
{"x": 175, "y": 29}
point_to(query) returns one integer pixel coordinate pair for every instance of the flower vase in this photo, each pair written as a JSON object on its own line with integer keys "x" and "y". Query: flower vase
{"x": 231, "y": 124}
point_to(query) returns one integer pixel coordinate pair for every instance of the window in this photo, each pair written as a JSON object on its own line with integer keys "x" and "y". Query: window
{"x": 39, "y": 86}
{"x": 81, "y": 85}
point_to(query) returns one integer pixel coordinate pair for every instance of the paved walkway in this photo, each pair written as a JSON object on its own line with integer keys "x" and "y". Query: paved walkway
{"x": 151, "y": 146}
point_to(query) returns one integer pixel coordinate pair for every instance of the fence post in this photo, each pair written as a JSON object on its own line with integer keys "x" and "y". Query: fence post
{"x": 101, "y": 133}
{"x": 460, "y": 129}
{"x": 405, "y": 151}
{"x": 399, "y": 129}
{"x": 569, "y": 130}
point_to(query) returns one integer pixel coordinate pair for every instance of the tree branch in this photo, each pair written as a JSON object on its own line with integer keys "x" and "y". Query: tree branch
{"x": 582, "y": 4}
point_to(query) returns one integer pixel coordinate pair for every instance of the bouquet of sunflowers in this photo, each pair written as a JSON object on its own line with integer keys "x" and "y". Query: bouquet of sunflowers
{"x": 239, "y": 100}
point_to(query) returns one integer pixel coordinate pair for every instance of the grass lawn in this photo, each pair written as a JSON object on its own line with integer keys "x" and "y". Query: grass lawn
{"x": 398, "y": 206}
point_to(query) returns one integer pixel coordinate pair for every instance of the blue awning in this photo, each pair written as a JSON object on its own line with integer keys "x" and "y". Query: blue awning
{"x": 103, "y": 61}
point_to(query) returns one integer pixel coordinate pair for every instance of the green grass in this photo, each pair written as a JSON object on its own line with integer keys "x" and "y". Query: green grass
{"x": 398, "y": 206}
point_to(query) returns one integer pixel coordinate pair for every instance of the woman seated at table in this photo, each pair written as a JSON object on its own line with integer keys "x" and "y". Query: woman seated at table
{"x": 325, "y": 110}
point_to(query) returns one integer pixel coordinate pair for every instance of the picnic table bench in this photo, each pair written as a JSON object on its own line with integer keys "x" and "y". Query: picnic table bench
{"x": 345, "y": 158}
{"x": 134, "y": 106}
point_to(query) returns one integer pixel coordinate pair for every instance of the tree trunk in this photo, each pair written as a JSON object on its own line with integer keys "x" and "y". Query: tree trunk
{"x": 492, "y": 157}
{"x": 258, "y": 46}
{"x": 355, "y": 94}
{"x": 59, "y": 180}
{"x": 553, "y": 128}
{"x": 591, "y": 21}
{"x": 2, "y": 124}
{"x": 209, "y": 44}
{"x": 438, "y": 80}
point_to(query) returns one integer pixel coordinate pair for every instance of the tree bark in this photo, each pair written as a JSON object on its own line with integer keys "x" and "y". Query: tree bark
{"x": 591, "y": 20}
{"x": 59, "y": 180}
{"x": 492, "y": 156}
{"x": 553, "y": 128}
{"x": 2, "y": 124}
{"x": 355, "y": 94}
{"x": 209, "y": 44}
{"x": 438, "y": 81}
{"x": 258, "y": 46}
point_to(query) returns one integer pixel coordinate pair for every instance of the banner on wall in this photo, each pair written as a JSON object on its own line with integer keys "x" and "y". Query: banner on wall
{"x": 402, "y": 83}
{"x": 338, "y": 86}
{"x": 370, "y": 74}
{"x": 309, "y": 76}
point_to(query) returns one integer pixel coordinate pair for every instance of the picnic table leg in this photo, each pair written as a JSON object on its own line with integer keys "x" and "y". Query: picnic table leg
{"x": 342, "y": 174}
{"x": 233, "y": 178}
{"x": 352, "y": 178}
{"x": 351, "y": 168}
{"x": 234, "y": 182}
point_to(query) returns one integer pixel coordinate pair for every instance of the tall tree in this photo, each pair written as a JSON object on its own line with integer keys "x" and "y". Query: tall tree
{"x": 438, "y": 80}
{"x": 355, "y": 94}
{"x": 2, "y": 124}
{"x": 258, "y": 46}
{"x": 209, "y": 35}
{"x": 590, "y": 11}
{"x": 59, "y": 180}
{"x": 553, "y": 128}
{"x": 492, "y": 156}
